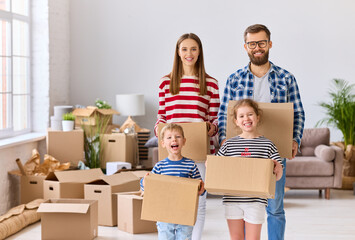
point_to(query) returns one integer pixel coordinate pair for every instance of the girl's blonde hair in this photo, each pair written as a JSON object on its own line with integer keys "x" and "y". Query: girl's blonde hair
{"x": 246, "y": 102}
{"x": 177, "y": 71}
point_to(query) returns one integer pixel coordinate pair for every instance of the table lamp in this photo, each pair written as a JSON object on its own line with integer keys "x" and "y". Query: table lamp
{"x": 130, "y": 105}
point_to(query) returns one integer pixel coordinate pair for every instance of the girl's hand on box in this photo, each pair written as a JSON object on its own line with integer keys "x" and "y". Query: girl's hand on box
{"x": 202, "y": 188}
{"x": 278, "y": 170}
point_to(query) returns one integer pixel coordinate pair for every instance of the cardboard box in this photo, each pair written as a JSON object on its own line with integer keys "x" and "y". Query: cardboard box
{"x": 89, "y": 116}
{"x": 102, "y": 189}
{"x": 170, "y": 199}
{"x": 119, "y": 147}
{"x": 276, "y": 124}
{"x": 69, "y": 219}
{"x": 68, "y": 184}
{"x": 197, "y": 145}
{"x": 240, "y": 176}
{"x": 31, "y": 188}
{"x": 66, "y": 146}
{"x": 129, "y": 209}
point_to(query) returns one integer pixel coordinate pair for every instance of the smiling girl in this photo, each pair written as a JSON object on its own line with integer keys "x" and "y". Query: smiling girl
{"x": 245, "y": 215}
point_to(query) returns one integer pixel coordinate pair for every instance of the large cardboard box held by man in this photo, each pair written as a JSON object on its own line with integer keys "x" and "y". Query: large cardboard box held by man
{"x": 197, "y": 144}
{"x": 170, "y": 199}
{"x": 252, "y": 177}
{"x": 66, "y": 146}
{"x": 69, "y": 219}
{"x": 276, "y": 124}
{"x": 129, "y": 209}
{"x": 119, "y": 147}
{"x": 68, "y": 184}
{"x": 102, "y": 189}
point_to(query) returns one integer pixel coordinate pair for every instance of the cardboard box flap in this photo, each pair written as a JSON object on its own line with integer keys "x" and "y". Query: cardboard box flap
{"x": 107, "y": 111}
{"x": 85, "y": 112}
{"x": 115, "y": 179}
{"x": 63, "y": 208}
{"x": 140, "y": 174}
{"x": 79, "y": 176}
{"x": 120, "y": 178}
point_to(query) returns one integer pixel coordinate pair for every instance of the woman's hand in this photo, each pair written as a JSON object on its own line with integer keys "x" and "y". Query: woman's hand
{"x": 278, "y": 170}
{"x": 202, "y": 187}
{"x": 211, "y": 129}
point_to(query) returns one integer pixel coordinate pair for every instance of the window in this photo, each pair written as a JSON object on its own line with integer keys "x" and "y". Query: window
{"x": 14, "y": 67}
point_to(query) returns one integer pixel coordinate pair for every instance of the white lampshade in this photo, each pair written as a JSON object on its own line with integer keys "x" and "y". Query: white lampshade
{"x": 130, "y": 104}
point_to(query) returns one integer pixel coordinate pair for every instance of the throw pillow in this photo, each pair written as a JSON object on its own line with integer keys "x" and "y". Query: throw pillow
{"x": 152, "y": 142}
{"x": 324, "y": 152}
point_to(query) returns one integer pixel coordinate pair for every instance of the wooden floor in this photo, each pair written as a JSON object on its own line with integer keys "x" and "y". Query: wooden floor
{"x": 308, "y": 218}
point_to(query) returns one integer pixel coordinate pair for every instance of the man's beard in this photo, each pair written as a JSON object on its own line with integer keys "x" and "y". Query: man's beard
{"x": 258, "y": 61}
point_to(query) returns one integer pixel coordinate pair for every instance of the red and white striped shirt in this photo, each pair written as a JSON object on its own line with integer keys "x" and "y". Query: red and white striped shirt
{"x": 188, "y": 105}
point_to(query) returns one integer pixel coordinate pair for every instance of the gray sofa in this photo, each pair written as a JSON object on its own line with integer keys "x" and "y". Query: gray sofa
{"x": 318, "y": 165}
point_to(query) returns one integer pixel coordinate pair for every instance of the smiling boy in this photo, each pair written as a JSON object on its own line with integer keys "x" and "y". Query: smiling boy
{"x": 175, "y": 164}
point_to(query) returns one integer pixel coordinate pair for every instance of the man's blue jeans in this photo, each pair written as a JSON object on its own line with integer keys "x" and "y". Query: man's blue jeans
{"x": 276, "y": 221}
{"x": 170, "y": 231}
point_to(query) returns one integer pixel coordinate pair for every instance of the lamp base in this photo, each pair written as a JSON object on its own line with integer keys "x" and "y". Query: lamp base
{"x": 129, "y": 123}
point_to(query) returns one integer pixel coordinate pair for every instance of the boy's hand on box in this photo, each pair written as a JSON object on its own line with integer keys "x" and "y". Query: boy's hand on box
{"x": 278, "y": 170}
{"x": 202, "y": 188}
{"x": 144, "y": 179}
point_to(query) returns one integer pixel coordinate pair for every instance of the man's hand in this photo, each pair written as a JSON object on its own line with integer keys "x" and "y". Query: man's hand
{"x": 223, "y": 141}
{"x": 294, "y": 149}
{"x": 202, "y": 187}
{"x": 278, "y": 170}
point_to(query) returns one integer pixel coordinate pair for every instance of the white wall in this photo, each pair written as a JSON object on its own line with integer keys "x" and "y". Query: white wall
{"x": 127, "y": 46}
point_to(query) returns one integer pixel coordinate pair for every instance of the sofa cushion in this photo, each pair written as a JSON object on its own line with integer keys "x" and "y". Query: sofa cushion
{"x": 325, "y": 153}
{"x": 311, "y": 138}
{"x": 309, "y": 166}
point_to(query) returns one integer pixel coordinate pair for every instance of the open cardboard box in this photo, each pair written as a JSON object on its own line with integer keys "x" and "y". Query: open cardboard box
{"x": 119, "y": 147}
{"x": 102, "y": 189}
{"x": 276, "y": 124}
{"x": 68, "y": 184}
{"x": 69, "y": 219}
{"x": 197, "y": 145}
{"x": 66, "y": 146}
{"x": 89, "y": 116}
{"x": 238, "y": 176}
{"x": 170, "y": 199}
{"x": 129, "y": 209}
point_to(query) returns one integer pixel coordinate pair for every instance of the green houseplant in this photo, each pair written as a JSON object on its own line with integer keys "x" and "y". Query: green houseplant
{"x": 341, "y": 114}
{"x": 68, "y": 121}
{"x": 93, "y": 136}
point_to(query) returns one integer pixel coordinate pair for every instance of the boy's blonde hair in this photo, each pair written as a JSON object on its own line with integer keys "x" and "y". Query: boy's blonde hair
{"x": 171, "y": 127}
{"x": 247, "y": 102}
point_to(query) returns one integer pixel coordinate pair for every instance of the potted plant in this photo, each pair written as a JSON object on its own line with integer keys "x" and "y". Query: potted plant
{"x": 68, "y": 122}
{"x": 341, "y": 114}
{"x": 93, "y": 136}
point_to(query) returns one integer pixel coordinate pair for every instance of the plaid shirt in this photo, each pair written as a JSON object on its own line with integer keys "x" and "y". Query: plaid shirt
{"x": 283, "y": 88}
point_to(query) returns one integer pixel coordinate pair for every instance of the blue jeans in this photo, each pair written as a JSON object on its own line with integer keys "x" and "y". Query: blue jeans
{"x": 170, "y": 231}
{"x": 276, "y": 221}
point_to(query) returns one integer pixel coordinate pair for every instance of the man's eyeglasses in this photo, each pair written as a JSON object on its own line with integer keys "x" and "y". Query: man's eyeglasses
{"x": 261, "y": 44}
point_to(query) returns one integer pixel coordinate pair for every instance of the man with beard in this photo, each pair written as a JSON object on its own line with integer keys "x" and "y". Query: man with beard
{"x": 263, "y": 81}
